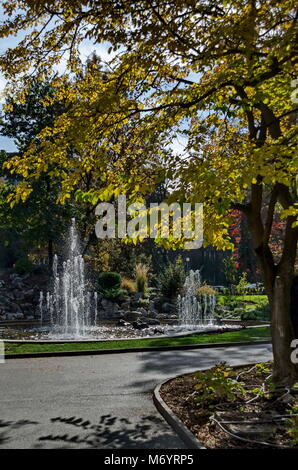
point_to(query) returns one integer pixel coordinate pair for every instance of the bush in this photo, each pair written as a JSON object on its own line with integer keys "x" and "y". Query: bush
{"x": 292, "y": 423}
{"x": 241, "y": 286}
{"x": 23, "y": 266}
{"x": 215, "y": 385}
{"x": 109, "y": 280}
{"x": 141, "y": 271}
{"x": 113, "y": 293}
{"x": 260, "y": 313}
{"x": 171, "y": 281}
{"x": 129, "y": 285}
{"x": 228, "y": 300}
{"x": 143, "y": 303}
{"x": 206, "y": 290}
{"x": 109, "y": 285}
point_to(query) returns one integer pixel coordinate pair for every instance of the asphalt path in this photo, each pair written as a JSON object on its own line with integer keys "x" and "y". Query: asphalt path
{"x": 100, "y": 401}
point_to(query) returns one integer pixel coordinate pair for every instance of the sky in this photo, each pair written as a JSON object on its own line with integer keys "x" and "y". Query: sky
{"x": 86, "y": 48}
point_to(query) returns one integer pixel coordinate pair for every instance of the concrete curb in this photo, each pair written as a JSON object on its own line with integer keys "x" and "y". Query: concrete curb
{"x": 172, "y": 419}
{"x": 175, "y": 335}
{"x": 132, "y": 350}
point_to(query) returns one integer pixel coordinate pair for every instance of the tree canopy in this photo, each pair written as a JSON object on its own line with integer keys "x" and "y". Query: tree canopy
{"x": 221, "y": 73}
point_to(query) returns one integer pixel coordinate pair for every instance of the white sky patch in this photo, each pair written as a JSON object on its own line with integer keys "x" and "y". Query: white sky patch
{"x": 179, "y": 144}
{"x": 87, "y": 47}
{"x": 2, "y": 88}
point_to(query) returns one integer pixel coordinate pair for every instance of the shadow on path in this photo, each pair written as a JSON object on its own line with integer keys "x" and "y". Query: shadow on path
{"x": 110, "y": 432}
{"x": 7, "y": 428}
{"x": 113, "y": 432}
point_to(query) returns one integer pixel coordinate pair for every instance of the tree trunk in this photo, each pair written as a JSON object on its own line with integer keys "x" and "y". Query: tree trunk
{"x": 278, "y": 280}
{"x": 282, "y": 330}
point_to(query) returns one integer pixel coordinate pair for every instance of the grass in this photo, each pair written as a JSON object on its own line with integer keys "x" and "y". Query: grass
{"x": 256, "y": 299}
{"x": 253, "y": 334}
{"x": 245, "y": 307}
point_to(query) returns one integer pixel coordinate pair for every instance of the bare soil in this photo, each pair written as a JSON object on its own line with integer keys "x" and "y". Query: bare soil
{"x": 253, "y": 419}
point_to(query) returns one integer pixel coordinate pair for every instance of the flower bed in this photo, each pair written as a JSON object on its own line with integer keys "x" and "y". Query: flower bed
{"x": 234, "y": 407}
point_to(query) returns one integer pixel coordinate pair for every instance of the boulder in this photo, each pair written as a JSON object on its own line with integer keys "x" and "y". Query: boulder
{"x": 125, "y": 305}
{"x": 168, "y": 308}
{"x": 152, "y": 309}
{"x": 109, "y": 306}
{"x": 152, "y": 321}
{"x": 139, "y": 325}
{"x": 14, "y": 316}
{"x": 122, "y": 322}
{"x": 142, "y": 311}
{"x": 137, "y": 296}
{"x": 158, "y": 331}
{"x": 28, "y": 293}
{"x": 132, "y": 315}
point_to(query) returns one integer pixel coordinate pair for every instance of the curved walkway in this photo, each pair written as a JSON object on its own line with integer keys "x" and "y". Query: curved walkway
{"x": 98, "y": 401}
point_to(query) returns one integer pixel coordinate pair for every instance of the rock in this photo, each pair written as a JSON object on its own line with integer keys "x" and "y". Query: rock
{"x": 14, "y": 316}
{"x": 151, "y": 308}
{"x": 122, "y": 322}
{"x": 29, "y": 293}
{"x": 14, "y": 307}
{"x": 158, "y": 331}
{"x": 142, "y": 311}
{"x": 109, "y": 306}
{"x": 137, "y": 296}
{"x": 158, "y": 302}
{"x": 27, "y": 305}
{"x": 139, "y": 325}
{"x": 168, "y": 308}
{"x": 152, "y": 321}
{"x": 132, "y": 316}
{"x": 125, "y": 305}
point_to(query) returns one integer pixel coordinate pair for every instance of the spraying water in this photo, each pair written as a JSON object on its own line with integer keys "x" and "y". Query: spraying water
{"x": 195, "y": 310}
{"x": 69, "y": 306}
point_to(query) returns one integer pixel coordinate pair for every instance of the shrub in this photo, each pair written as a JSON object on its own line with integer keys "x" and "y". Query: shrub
{"x": 143, "y": 303}
{"x": 109, "y": 280}
{"x": 23, "y": 266}
{"x": 141, "y": 271}
{"x": 129, "y": 285}
{"x": 171, "y": 281}
{"x": 109, "y": 285}
{"x": 206, "y": 290}
{"x": 292, "y": 423}
{"x": 113, "y": 293}
{"x": 260, "y": 313}
{"x": 216, "y": 385}
{"x": 229, "y": 300}
{"x": 241, "y": 286}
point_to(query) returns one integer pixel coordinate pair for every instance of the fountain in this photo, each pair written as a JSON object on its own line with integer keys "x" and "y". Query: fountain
{"x": 69, "y": 311}
{"x": 195, "y": 310}
{"x": 68, "y": 308}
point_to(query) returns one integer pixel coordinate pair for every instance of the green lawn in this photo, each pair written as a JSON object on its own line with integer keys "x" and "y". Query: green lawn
{"x": 244, "y": 307}
{"x": 253, "y": 334}
{"x": 256, "y": 299}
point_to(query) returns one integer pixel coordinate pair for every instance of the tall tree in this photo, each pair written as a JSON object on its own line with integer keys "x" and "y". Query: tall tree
{"x": 38, "y": 219}
{"x": 220, "y": 71}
